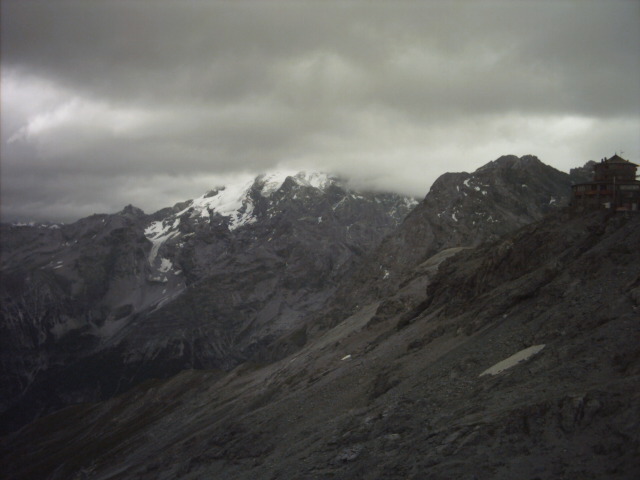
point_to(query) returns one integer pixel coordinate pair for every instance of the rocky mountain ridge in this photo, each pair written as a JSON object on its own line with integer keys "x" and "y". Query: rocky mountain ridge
{"x": 247, "y": 272}
{"x": 91, "y": 308}
{"x": 460, "y": 210}
{"x": 522, "y": 361}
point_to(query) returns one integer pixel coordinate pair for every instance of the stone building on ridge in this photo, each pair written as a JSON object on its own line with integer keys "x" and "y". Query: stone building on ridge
{"x": 614, "y": 186}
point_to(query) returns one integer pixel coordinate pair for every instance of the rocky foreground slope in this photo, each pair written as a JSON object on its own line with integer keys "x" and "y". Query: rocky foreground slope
{"x": 427, "y": 392}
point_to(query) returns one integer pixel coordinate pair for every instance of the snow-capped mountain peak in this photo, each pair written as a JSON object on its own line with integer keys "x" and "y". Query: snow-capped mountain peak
{"x": 268, "y": 183}
{"x": 314, "y": 179}
{"x": 271, "y": 182}
{"x": 226, "y": 201}
{"x": 234, "y": 202}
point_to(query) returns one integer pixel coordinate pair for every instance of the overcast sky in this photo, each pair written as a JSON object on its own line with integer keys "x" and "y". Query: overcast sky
{"x": 106, "y": 103}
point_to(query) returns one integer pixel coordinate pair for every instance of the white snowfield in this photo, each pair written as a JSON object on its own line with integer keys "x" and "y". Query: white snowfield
{"x": 273, "y": 181}
{"x": 226, "y": 202}
{"x": 232, "y": 201}
{"x": 521, "y": 356}
{"x": 158, "y": 233}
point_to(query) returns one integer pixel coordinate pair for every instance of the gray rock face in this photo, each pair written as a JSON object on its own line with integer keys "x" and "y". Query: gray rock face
{"x": 463, "y": 209}
{"x": 58, "y": 290}
{"x": 91, "y": 308}
{"x": 403, "y": 395}
{"x": 460, "y": 210}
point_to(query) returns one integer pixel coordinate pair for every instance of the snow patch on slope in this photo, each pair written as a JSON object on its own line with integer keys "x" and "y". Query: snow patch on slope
{"x": 230, "y": 201}
{"x": 159, "y": 232}
{"x": 165, "y": 265}
{"x": 314, "y": 179}
{"x": 513, "y": 360}
{"x": 272, "y": 182}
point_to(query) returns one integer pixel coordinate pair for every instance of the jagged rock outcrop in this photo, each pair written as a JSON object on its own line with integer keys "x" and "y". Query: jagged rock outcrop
{"x": 460, "y": 210}
{"x": 465, "y": 210}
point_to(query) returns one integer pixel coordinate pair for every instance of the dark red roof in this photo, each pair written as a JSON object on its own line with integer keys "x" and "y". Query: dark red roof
{"x": 618, "y": 159}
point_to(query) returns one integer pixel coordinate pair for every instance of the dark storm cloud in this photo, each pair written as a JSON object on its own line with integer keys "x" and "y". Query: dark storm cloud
{"x": 104, "y": 101}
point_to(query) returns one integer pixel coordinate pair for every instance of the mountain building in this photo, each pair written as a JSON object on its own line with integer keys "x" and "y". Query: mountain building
{"x": 615, "y": 186}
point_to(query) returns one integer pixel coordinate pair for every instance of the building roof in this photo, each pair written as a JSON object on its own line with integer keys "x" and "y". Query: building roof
{"x": 618, "y": 159}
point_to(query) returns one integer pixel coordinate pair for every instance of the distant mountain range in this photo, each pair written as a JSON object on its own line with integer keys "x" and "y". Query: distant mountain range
{"x": 92, "y": 308}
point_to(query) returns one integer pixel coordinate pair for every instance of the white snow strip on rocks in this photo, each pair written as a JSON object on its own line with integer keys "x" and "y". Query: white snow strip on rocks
{"x": 232, "y": 201}
{"x": 165, "y": 265}
{"x": 314, "y": 179}
{"x": 227, "y": 201}
{"x": 158, "y": 233}
{"x": 521, "y": 356}
{"x": 411, "y": 202}
{"x": 273, "y": 181}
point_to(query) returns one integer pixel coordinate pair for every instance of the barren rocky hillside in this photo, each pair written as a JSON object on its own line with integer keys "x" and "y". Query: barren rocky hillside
{"x": 396, "y": 393}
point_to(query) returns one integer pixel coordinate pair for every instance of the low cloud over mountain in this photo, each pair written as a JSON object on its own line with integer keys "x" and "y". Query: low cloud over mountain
{"x": 102, "y": 102}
